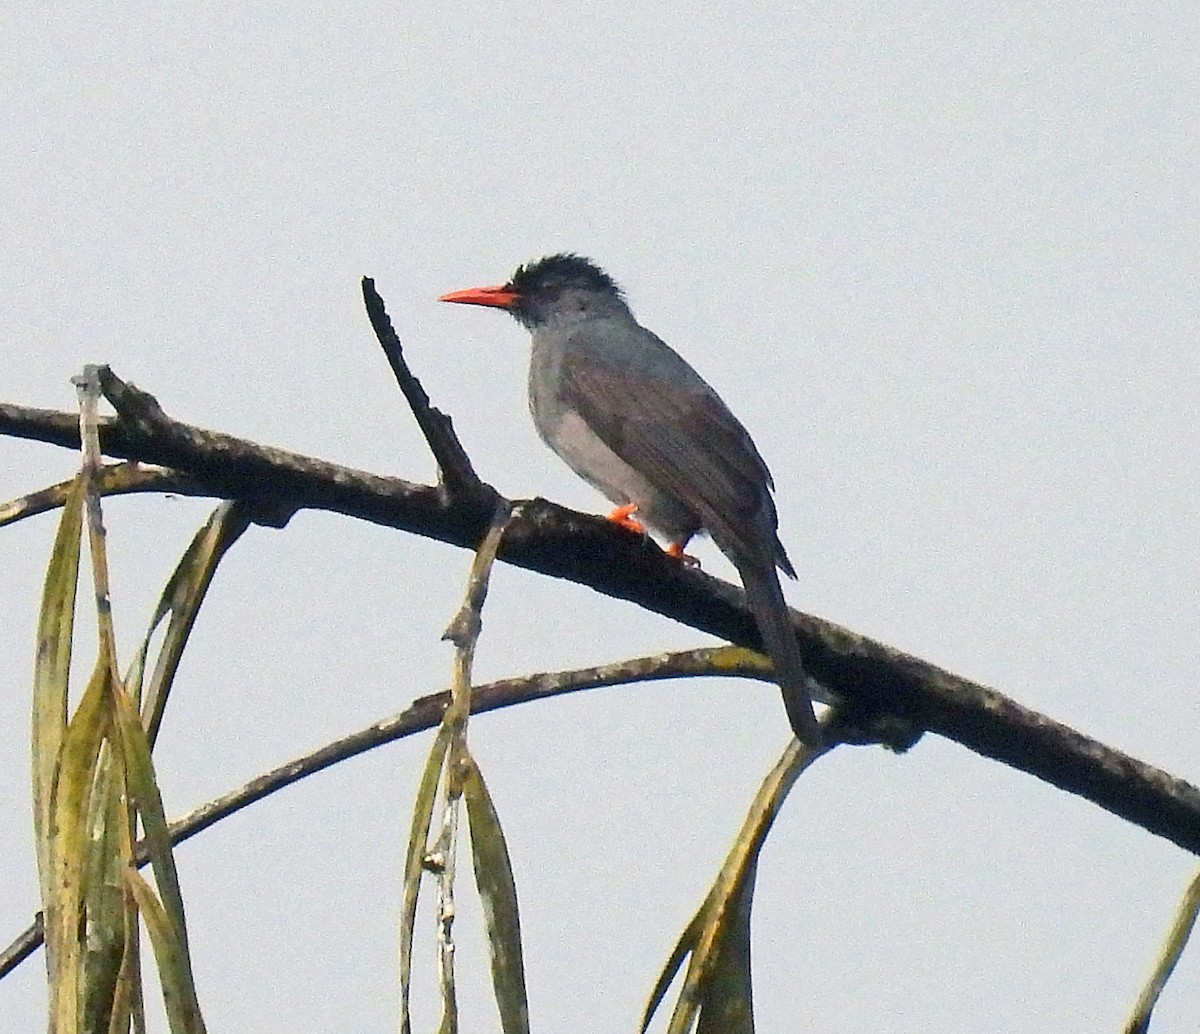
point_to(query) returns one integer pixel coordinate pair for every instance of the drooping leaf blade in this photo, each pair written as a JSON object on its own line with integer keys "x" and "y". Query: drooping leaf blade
{"x": 498, "y": 894}
{"x": 67, "y": 850}
{"x": 414, "y": 861}
{"x": 180, "y": 600}
{"x": 716, "y": 940}
{"x": 170, "y": 955}
{"x": 52, "y": 668}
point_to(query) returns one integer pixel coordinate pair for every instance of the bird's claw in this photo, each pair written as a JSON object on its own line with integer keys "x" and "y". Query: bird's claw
{"x": 675, "y": 549}
{"x": 623, "y": 517}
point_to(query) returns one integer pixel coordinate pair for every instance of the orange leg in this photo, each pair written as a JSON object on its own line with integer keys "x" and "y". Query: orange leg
{"x": 623, "y": 515}
{"x": 675, "y": 549}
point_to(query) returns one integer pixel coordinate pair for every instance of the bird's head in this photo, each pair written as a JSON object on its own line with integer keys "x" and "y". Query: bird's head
{"x": 561, "y": 287}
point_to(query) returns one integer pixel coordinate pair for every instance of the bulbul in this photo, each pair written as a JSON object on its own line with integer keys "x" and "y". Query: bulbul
{"x": 632, "y": 418}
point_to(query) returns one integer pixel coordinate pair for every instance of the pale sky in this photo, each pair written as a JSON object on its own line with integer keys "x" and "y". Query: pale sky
{"x": 941, "y": 260}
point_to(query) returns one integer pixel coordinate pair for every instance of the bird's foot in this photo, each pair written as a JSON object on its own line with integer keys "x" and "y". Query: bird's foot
{"x": 623, "y": 517}
{"x": 675, "y": 549}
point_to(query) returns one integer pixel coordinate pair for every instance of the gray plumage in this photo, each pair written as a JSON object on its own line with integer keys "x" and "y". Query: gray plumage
{"x": 633, "y": 419}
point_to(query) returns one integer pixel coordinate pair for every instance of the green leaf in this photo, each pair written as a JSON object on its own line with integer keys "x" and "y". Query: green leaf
{"x": 716, "y": 993}
{"x": 727, "y": 1006}
{"x": 498, "y": 893}
{"x": 170, "y": 955}
{"x": 414, "y": 861}
{"x": 105, "y": 899}
{"x": 181, "y": 599}
{"x": 142, "y": 789}
{"x": 52, "y": 669}
{"x": 69, "y": 828}
{"x": 683, "y": 948}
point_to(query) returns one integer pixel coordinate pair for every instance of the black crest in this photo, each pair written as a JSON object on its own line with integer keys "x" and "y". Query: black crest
{"x": 559, "y": 271}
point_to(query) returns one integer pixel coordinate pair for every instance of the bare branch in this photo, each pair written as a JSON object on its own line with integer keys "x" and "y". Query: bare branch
{"x": 872, "y": 679}
{"x": 454, "y": 466}
{"x": 113, "y": 479}
{"x": 426, "y": 713}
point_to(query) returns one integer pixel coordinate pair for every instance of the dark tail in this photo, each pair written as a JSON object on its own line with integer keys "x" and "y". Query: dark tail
{"x": 770, "y": 611}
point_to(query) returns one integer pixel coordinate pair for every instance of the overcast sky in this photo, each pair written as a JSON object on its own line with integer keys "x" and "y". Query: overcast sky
{"x": 941, "y": 259}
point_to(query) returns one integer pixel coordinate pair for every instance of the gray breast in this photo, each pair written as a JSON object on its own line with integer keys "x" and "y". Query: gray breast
{"x": 565, "y": 431}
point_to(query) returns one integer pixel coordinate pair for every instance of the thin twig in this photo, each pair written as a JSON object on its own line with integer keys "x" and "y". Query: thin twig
{"x": 454, "y": 465}
{"x": 1177, "y": 939}
{"x": 463, "y": 632}
{"x": 113, "y": 479}
{"x": 87, "y": 385}
{"x": 425, "y": 713}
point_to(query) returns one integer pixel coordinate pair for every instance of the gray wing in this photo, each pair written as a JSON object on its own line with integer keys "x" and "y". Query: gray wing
{"x": 662, "y": 419}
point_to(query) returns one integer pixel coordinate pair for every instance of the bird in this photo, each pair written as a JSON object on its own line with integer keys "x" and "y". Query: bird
{"x": 631, "y": 417}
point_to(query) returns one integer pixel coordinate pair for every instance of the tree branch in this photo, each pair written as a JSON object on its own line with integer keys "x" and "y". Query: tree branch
{"x": 426, "y": 713}
{"x": 871, "y": 678}
{"x": 454, "y": 466}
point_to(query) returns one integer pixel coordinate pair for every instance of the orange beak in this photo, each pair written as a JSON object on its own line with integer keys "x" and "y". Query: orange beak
{"x": 502, "y": 297}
